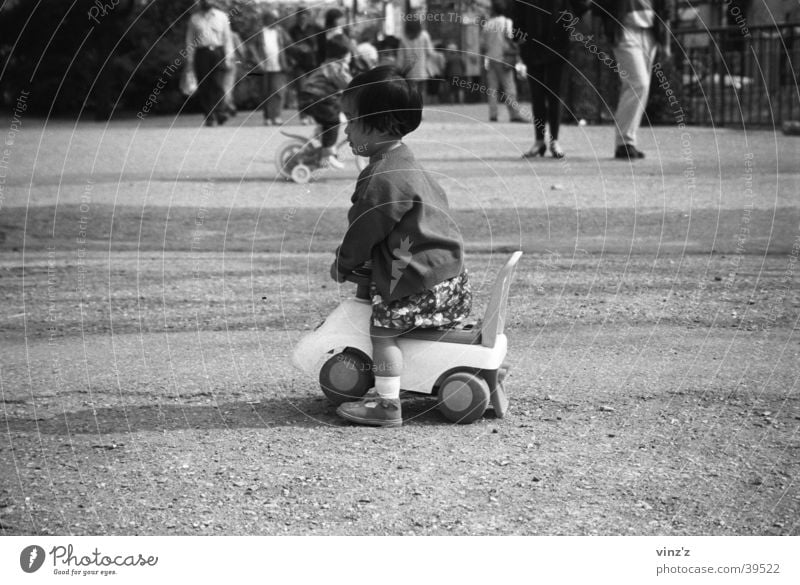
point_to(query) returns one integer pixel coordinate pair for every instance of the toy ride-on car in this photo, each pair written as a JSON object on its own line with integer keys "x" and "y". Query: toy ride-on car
{"x": 463, "y": 367}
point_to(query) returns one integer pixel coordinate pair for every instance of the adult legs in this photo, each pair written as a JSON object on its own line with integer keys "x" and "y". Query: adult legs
{"x": 508, "y": 84}
{"x": 203, "y": 65}
{"x": 229, "y": 83}
{"x": 492, "y": 83}
{"x": 634, "y": 53}
{"x": 273, "y": 85}
{"x": 537, "y": 82}
{"x": 210, "y": 72}
{"x": 553, "y": 75}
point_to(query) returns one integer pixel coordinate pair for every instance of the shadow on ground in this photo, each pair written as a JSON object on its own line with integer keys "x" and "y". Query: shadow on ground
{"x": 311, "y": 412}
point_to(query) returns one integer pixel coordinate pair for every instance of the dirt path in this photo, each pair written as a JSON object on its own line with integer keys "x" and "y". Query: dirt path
{"x": 640, "y": 405}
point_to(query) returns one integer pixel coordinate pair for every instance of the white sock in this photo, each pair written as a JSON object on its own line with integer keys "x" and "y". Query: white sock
{"x": 387, "y": 387}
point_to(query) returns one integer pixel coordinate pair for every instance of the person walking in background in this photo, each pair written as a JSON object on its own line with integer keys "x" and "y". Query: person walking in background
{"x": 637, "y": 30}
{"x": 229, "y": 80}
{"x": 500, "y": 57}
{"x": 304, "y": 48}
{"x": 305, "y": 41}
{"x": 273, "y": 63}
{"x": 210, "y": 53}
{"x": 335, "y": 26}
{"x": 416, "y": 49}
{"x": 545, "y": 52}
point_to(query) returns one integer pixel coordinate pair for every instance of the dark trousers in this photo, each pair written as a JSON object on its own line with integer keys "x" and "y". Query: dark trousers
{"x": 273, "y": 86}
{"x": 209, "y": 67}
{"x": 325, "y": 113}
{"x": 545, "y": 82}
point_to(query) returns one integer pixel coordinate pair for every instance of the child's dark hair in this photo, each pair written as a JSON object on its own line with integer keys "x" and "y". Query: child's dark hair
{"x": 499, "y": 8}
{"x": 337, "y": 47}
{"x": 331, "y": 16}
{"x": 389, "y": 43}
{"x": 385, "y": 101}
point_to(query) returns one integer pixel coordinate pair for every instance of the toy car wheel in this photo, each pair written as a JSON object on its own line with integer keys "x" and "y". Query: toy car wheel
{"x": 301, "y": 174}
{"x": 499, "y": 401}
{"x": 284, "y": 157}
{"x": 346, "y": 376}
{"x": 463, "y": 397}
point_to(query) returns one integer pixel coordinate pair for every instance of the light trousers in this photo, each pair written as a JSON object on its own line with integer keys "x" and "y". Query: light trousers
{"x": 635, "y": 53}
{"x": 500, "y": 83}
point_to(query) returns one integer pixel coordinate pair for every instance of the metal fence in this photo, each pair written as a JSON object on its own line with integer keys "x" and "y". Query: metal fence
{"x": 736, "y": 76}
{"x": 721, "y": 76}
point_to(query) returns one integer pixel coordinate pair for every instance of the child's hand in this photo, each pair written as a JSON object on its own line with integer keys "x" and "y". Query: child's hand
{"x": 335, "y": 274}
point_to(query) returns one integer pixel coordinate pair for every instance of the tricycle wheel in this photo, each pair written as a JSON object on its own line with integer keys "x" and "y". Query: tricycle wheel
{"x": 301, "y": 174}
{"x": 285, "y": 155}
{"x": 463, "y": 397}
{"x": 346, "y": 376}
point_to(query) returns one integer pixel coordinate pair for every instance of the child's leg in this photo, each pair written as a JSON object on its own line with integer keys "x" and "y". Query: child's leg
{"x": 328, "y": 136}
{"x": 387, "y": 362}
{"x": 384, "y": 409}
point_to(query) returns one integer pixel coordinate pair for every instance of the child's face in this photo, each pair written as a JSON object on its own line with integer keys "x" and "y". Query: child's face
{"x": 363, "y": 141}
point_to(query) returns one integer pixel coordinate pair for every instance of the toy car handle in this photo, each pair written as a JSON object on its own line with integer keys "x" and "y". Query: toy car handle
{"x": 361, "y": 276}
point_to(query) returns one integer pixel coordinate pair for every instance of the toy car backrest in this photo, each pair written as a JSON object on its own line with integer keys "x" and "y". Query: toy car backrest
{"x": 494, "y": 319}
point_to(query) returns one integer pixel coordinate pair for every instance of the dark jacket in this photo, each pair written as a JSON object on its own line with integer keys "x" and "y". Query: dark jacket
{"x": 325, "y": 82}
{"x": 612, "y": 13}
{"x": 305, "y": 46}
{"x": 400, "y": 219}
{"x": 540, "y": 28}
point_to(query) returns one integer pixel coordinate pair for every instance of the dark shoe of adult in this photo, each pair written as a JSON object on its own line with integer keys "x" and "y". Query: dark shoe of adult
{"x": 209, "y": 121}
{"x": 538, "y": 149}
{"x": 493, "y": 118}
{"x": 221, "y": 119}
{"x": 628, "y": 151}
{"x": 519, "y": 120}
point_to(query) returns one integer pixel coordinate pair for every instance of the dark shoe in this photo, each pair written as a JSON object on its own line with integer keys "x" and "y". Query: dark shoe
{"x": 518, "y": 120}
{"x": 493, "y": 118}
{"x": 209, "y": 121}
{"x": 221, "y": 119}
{"x": 537, "y": 149}
{"x": 373, "y": 411}
{"x": 628, "y": 151}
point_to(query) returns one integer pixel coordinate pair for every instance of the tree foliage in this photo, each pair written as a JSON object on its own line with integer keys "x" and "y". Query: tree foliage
{"x": 99, "y": 56}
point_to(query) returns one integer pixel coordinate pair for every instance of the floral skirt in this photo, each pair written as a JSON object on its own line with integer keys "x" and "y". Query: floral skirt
{"x": 448, "y": 303}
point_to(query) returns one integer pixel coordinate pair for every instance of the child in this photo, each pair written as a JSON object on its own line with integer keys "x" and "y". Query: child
{"x": 454, "y": 72}
{"x": 400, "y": 222}
{"x": 387, "y": 50}
{"x": 319, "y": 96}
